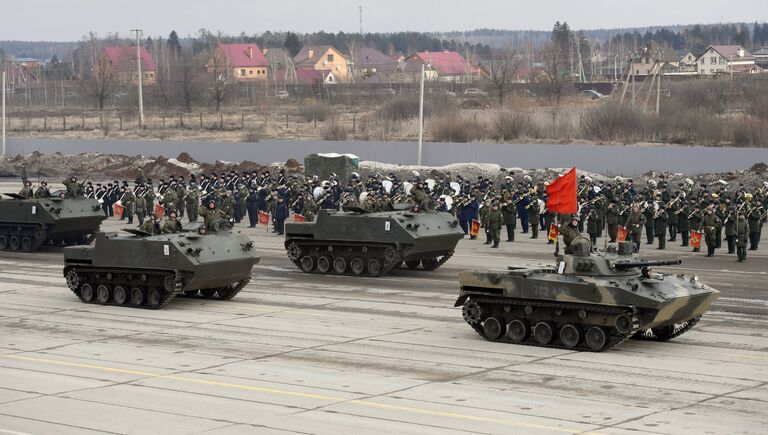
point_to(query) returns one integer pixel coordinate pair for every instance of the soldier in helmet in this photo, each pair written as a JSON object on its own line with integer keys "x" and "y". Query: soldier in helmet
{"x": 26, "y": 191}
{"x": 172, "y": 224}
{"x": 570, "y": 232}
{"x": 43, "y": 191}
{"x": 151, "y": 226}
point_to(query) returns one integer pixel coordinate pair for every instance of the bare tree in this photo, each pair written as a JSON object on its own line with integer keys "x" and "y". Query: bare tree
{"x": 97, "y": 75}
{"x": 501, "y": 72}
{"x": 217, "y": 68}
{"x": 190, "y": 84}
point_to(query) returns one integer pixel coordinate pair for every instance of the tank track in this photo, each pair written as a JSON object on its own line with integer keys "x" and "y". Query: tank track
{"x": 22, "y": 237}
{"x": 427, "y": 265}
{"x": 387, "y": 256}
{"x": 142, "y": 281}
{"x": 496, "y": 308}
{"x": 666, "y": 333}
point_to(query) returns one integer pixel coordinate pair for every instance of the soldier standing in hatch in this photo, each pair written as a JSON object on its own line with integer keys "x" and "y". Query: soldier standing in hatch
{"x": 26, "y": 191}
{"x": 742, "y": 235}
{"x": 151, "y": 226}
{"x": 43, "y": 191}
{"x": 495, "y": 222}
{"x": 74, "y": 190}
{"x": 570, "y": 232}
{"x": 172, "y": 224}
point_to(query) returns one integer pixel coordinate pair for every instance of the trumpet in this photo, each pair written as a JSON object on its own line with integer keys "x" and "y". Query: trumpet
{"x": 692, "y": 213}
{"x": 521, "y": 198}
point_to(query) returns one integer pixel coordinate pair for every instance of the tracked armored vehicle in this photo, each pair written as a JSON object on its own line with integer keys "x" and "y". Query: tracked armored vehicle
{"x": 356, "y": 242}
{"x": 587, "y": 301}
{"x": 144, "y": 271}
{"x": 27, "y": 224}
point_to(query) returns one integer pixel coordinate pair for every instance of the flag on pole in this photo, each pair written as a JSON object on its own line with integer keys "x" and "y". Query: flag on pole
{"x": 621, "y": 234}
{"x": 263, "y": 218}
{"x": 159, "y": 211}
{"x": 474, "y": 229}
{"x": 299, "y": 218}
{"x": 118, "y": 209}
{"x": 553, "y": 233}
{"x": 696, "y": 239}
{"x": 561, "y": 193}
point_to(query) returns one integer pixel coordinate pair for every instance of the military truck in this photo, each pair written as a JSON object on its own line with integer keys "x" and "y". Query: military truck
{"x": 148, "y": 271}
{"x": 357, "y": 242}
{"x": 26, "y": 224}
{"x": 586, "y": 301}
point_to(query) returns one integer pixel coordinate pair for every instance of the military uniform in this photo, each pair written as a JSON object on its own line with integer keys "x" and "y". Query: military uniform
{"x": 730, "y": 231}
{"x": 660, "y": 223}
{"x": 533, "y": 217}
{"x": 755, "y": 224}
{"x": 634, "y": 226}
{"x": 192, "y": 202}
{"x": 150, "y": 227}
{"x": 612, "y": 220}
{"x": 172, "y": 226}
{"x": 509, "y": 214}
{"x": 129, "y": 201}
{"x": 569, "y": 234}
{"x": 169, "y": 201}
{"x": 708, "y": 224}
{"x": 494, "y": 223}
{"x": 141, "y": 208}
{"x": 26, "y": 192}
{"x": 650, "y": 228}
{"x": 742, "y": 235}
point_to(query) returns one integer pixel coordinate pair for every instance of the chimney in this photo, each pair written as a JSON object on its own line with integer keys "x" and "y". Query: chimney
{"x": 311, "y": 53}
{"x": 250, "y": 52}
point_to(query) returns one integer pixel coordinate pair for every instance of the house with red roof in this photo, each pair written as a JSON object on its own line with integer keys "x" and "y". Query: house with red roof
{"x": 448, "y": 66}
{"x": 122, "y": 61}
{"x": 323, "y": 58}
{"x": 242, "y": 62}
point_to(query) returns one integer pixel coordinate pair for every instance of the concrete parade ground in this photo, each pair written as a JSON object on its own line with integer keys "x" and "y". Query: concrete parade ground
{"x": 301, "y": 353}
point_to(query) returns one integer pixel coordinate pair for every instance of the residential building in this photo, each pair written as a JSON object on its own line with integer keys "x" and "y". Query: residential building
{"x": 645, "y": 62}
{"x": 122, "y": 61}
{"x": 726, "y": 59}
{"x": 242, "y": 62}
{"x": 448, "y": 66}
{"x": 369, "y": 61}
{"x": 323, "y": 58}
{"x": 21, "y": 72}
{"x": 761, "y": 58}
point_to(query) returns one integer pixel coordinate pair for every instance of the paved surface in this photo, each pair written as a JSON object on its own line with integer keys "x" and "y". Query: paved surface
{"x": 607, "y": 159}
{"x": 297, "y": 353}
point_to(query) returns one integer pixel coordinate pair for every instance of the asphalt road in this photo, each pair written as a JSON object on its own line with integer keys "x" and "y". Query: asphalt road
{"x": 607, "y": 159}
{"x": 298, "y": 353}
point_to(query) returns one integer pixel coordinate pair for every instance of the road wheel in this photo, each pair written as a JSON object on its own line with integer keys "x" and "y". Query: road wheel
{"x": 154, "y": 297}
{"x": 389, "y": 255}
{"x": 472, "y": 312}
{"x": 596, "y": 338}
{"x": 307, "y": 263}
{"x": 623, "y": 324}
{"x": 102, "y": 294}
{"x": 15, "y": 243}
{"x": 3, "y": 243}
{"x": 120, "y": 294}
{"x": 518, "y": 330}
{"x": 412, "y": 264}
{"x": 86, "y": 293}
{"x": 323, "y": 264}
{"x": 72, "y": 279}
{"x": 493, "y": 328}
{"x": 339, "y": 265}
{"x": 26, "y": 244}
{"x": 570, "y": 335}
{"x": 374, "y": 267}
{"x": 137, "y": 296}
{"x": 544, "y": 332}
{"x": 294, "y": 251}
{"x": 357, "y": 266}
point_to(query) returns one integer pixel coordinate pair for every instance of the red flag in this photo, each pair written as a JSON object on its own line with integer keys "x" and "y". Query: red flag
{"x": 621, "y": 234}
{"x": 299, "y": 218}
{"x": 562, "y": 193}
{"x": 695, "y": 239}
{"x": 159, "y": 211}
{"x": 474, "y": 229}
{"x": 553, "y": 233}
{"x": 263, "y": 218}
{"x": 118, "y": 209}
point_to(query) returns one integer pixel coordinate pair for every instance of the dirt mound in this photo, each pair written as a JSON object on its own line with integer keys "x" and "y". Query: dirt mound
{"x": 759, "y": 168}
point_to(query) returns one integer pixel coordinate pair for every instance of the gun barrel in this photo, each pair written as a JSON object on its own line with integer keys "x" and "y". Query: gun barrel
{"x": 627, "y": 265}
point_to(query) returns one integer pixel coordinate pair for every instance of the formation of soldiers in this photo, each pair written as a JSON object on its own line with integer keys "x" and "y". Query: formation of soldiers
{"x": 511, "y": 204}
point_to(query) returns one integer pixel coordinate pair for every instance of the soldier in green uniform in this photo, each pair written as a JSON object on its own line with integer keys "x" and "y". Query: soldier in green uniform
{"x": 151, "y": 226}
{"x": 755, "y": 223}
{"x": 26, "y": 191}
{"x": 420, "y": 196}
{"x": 228, "y": 205}
{"x": 742, "y": 235}
{"x": 534, "y": 209}
{"x": 172, "y": 224}
{"x": 192, "y": 202}
{"x": 484, "y": 212}
{"x": 509, "y": 213}
{"x": 612, "y": 219}
{"x": 74, "y": 190}
{"x": 683, "y": 223}
{"x": 149, "y": 196}
{"x": 634, "y": 225}
{"x": 181, "y": 191}
{"x": 129, "y": 201}
{"x": 570, "y": 232}
{"x": 212, "y": 217}
{"x": 709, "y": 223}
{"x": 141, "y": 208}
{"x": 169, "y": 200}
{"x": 495, "y": 222}
{"x": 43, "y": 191}
{"x": 660, "y": 223}
{"x": 310, "y": 208}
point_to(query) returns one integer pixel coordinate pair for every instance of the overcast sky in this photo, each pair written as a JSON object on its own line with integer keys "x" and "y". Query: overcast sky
{"x": 68, "y": 20}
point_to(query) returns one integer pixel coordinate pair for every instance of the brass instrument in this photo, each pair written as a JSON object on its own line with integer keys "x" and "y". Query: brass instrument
{"x": 692, "y": 213}
{"x": 521, "y": 198}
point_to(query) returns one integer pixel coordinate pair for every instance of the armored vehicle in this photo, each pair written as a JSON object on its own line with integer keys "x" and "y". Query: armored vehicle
{"x": 588, "y": 301}
{"x": 143, "y": 271}
{"x": 26, "y": 224}
{"x": 357, "y": 242}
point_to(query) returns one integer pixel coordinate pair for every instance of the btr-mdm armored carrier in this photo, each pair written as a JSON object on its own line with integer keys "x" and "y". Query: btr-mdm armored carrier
{"x": 26, "y": 224}
{"x": 148, "y": 271}
{"x": 589, "y": 301}
{"x": 357, "y": 242}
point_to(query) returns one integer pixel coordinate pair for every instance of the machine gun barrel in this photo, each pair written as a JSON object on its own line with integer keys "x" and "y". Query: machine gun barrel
{"x": 627, "y": 265}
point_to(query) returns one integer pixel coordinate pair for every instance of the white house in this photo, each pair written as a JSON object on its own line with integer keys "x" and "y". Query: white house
{"x": 726, "y": 59}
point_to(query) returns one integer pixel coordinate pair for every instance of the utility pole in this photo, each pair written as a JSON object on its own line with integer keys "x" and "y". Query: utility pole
{"x": 3, "y": 98}
{"x": 138, "y": 63}
{"x": 360, "y": 9}
{"x": 421, "y": 118}
{"x": 658, "y": 88}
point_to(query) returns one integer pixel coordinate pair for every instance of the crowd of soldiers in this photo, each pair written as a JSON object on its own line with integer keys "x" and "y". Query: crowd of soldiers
{"x": 514, "y": 204}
